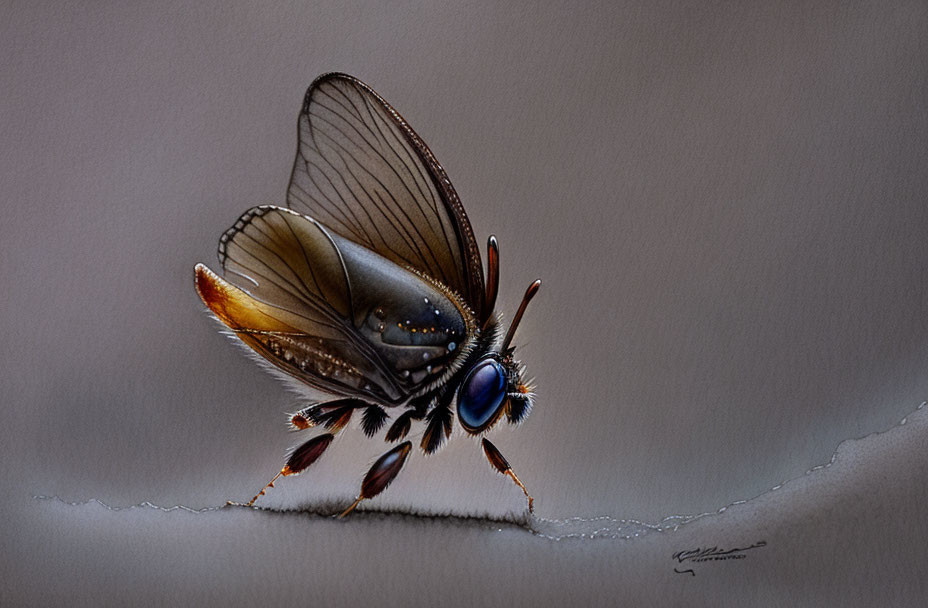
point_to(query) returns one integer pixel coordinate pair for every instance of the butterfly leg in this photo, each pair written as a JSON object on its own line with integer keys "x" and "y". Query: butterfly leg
{"x": 303, "y": 419}
{"x": 500, "y": 464}
{"x": 297, "y": 462}
{"x": 381, "y": 474}
{"x": 518, "y": 404}
{"x": 438, "y": 422}
{"x": 400, "y": 427}
{"x": 437, "y": 429}
{"x": 333, "y": 415}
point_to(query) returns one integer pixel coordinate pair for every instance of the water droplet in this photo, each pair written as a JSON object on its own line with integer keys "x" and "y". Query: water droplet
{"x": 426, "y": 356}
{"x": 428, "y": 369}
{"x": 405, "y": 373}
{"x": 381, "y": 327}
{"x": 451, "y": 346}
{"x": 378, "y": 312}
{"x": 437, "y": 312}
{"x": 426, "y": 300}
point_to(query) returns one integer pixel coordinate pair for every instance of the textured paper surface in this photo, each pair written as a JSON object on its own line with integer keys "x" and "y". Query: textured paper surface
{"x": 850, "y": 533}
{"x": 726, "y": 204}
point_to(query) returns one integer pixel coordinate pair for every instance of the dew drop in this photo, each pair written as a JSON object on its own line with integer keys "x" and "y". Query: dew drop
{"x": 425, "y": 356}
{"x": 451, "y": 346}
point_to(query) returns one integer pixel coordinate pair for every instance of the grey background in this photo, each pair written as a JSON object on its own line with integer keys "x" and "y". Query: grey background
{"x": 726, "y": 203}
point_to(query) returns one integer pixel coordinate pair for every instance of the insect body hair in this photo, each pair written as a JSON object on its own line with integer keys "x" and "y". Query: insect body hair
{"x": 302, "y": 390}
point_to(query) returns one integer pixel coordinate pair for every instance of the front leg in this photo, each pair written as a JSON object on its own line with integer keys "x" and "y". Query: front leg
{"x": 519, "y": 402}
{"x": 500, "y": 464}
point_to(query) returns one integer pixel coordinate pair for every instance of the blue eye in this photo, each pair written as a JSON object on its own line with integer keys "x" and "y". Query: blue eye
{"x": 481, "y": 395}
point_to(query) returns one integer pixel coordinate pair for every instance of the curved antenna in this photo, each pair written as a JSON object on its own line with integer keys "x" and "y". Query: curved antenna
{"x": 529, "y": 294}
{"x": 492, "y": 277}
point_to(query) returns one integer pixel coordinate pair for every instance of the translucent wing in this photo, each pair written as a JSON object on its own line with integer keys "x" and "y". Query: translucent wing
{"x": 332, "y": 313}
{"x": 364, "y": 173}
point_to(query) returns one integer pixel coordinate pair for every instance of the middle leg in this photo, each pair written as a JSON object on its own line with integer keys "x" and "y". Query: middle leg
{"x": 381, "y": 474}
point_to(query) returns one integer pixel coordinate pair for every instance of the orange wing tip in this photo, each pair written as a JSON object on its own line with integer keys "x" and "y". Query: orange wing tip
{"x": 217, "y": 294}
{"x": 233, "y": 306}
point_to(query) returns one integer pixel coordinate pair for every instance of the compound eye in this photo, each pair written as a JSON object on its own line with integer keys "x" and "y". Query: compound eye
{"x": 481, "y": 395}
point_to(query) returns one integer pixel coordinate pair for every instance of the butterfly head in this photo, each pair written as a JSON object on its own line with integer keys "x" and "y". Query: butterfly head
{"x": 482, "y": 394}
{"x": 493, "y": 385}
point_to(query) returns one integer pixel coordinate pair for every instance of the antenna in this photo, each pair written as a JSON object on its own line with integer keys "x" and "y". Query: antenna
{"x": 529, "y": 294}
{"x": 492, "y": 276}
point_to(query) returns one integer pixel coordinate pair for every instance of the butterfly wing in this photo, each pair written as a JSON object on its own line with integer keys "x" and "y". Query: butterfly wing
{"x": 365, "y": 174}
{"x": 331, "y": 313}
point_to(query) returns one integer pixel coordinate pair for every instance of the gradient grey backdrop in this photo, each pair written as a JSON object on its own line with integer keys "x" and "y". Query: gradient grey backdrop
{"x": 727, "y": 204}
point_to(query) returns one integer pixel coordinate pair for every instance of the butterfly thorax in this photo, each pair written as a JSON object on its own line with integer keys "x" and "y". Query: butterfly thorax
{"x": 441, "y": 392}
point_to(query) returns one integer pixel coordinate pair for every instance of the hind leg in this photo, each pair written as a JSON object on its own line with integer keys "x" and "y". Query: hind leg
{"x": 298, "y": 461}
{"x": 333, "y": 415}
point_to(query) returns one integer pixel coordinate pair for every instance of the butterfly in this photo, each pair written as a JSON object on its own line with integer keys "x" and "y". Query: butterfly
{"x": 368, "y": 289}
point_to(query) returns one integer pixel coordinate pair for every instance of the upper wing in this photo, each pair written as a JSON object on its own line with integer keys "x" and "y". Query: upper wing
{"x": 363, "y": 172}
{"x": 331, "y": 313}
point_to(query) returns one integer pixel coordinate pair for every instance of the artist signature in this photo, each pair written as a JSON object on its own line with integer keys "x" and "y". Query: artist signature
{"x": 711, "y": 554}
